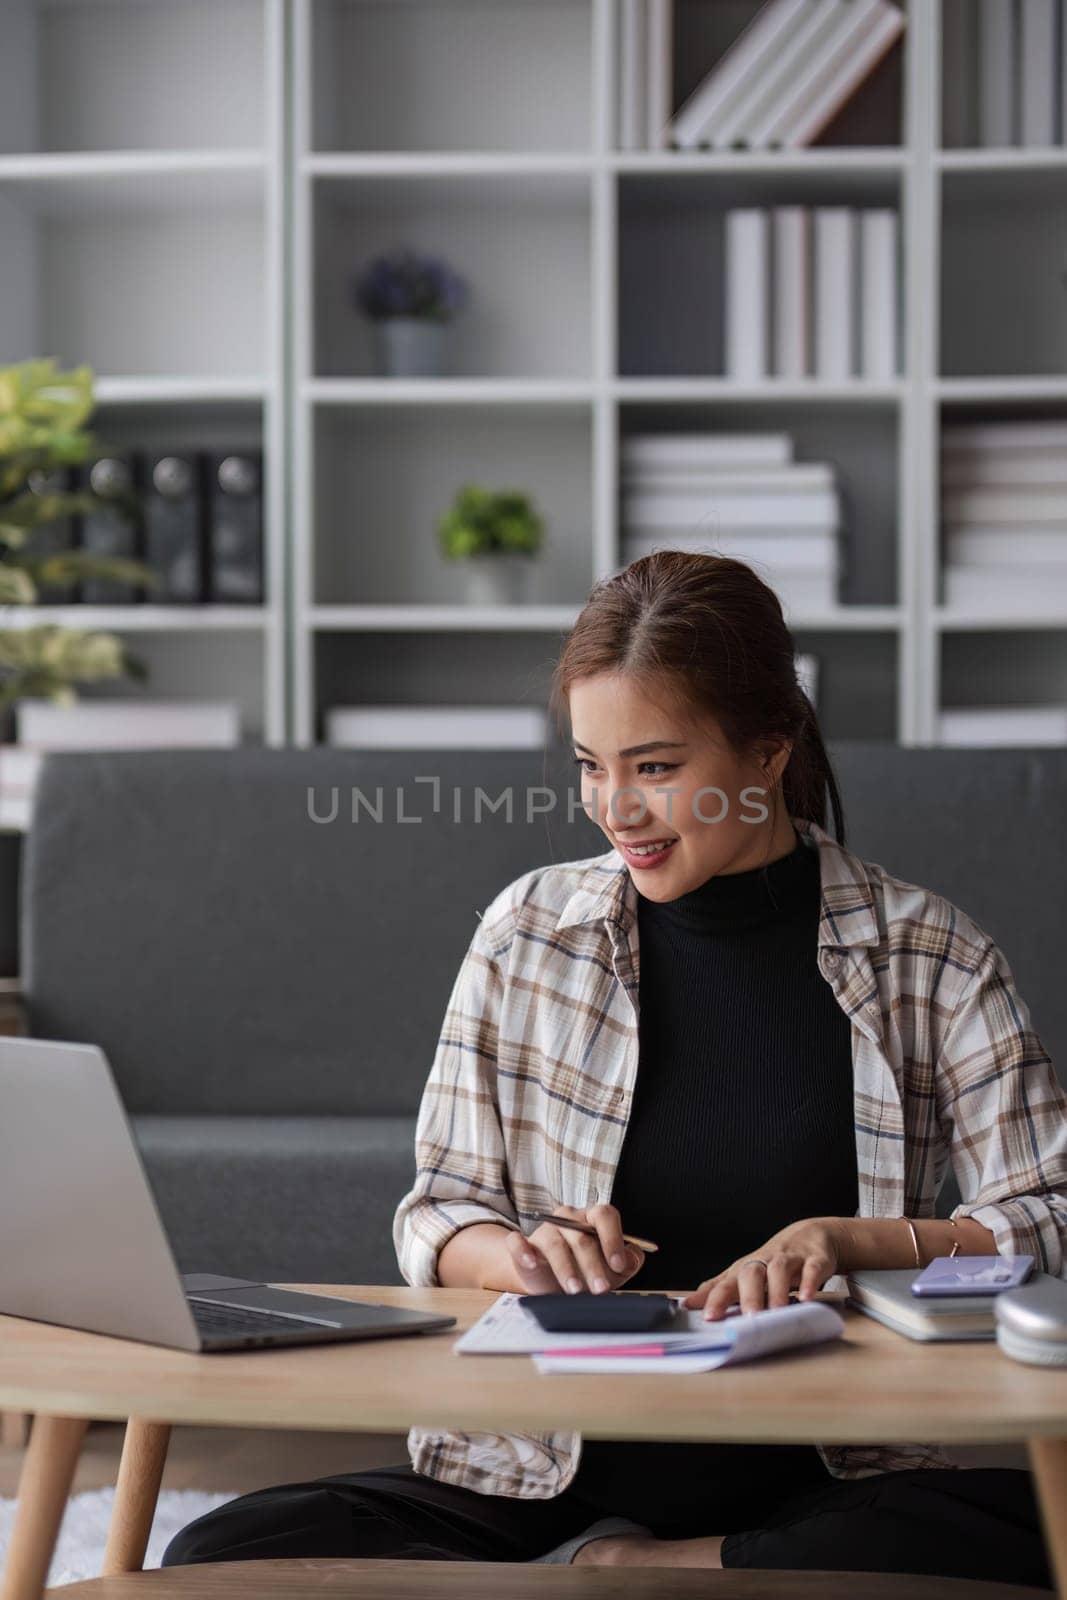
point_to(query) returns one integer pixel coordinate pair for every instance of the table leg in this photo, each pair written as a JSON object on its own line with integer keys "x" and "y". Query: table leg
{"x": 1048, "y": 1457}
{"x": 144, "y": 1455}
{"x": 44, "y": 1485}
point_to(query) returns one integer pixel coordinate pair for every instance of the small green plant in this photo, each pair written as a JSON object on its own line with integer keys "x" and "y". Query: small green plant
{"x": 483, "y": 522}
{"x": 43, "y": 430}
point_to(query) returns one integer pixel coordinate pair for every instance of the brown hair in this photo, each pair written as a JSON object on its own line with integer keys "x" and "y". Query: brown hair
{"x": 709, "y": 629}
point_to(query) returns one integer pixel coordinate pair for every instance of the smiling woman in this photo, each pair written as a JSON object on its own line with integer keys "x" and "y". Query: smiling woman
{"x": 750, "y": 1046}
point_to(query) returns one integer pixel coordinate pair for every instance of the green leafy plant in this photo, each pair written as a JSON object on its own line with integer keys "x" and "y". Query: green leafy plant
{"x": 44, "y": 414}
{"x": 483, "y": 522}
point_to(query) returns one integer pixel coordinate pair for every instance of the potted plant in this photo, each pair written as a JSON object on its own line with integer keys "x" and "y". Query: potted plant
{"x": 411, "y": 300}
{"x": 494, "y": 534}
{"x": 43, "y": 417}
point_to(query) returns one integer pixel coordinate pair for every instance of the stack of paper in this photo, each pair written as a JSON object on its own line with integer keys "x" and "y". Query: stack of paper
{"x": 1004, "y": 515}
{"x": 1013, "y": 727}
{"x": 692, "y": 1345}
{"x": 737, "y": 495}
{"x": 786, "y": 77}
{"x": 429, "y": 727}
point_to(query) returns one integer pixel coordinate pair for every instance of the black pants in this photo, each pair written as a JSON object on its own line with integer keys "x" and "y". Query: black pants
{"x": 776, "y": 1504}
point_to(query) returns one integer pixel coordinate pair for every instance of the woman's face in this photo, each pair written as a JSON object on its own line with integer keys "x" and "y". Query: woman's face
{"x": 650, "y": 773}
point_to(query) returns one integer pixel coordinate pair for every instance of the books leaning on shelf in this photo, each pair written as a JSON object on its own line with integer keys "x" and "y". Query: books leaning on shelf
{"x": 1021, "y": 74}
{"x": 712, "y": 493}
{"x": 42, "y": 726}
{"x": 645, "y": 74}
{"x": 1004, "y": 516}
{"x": 429, "y": 727}
{"x": 1013, "y": 727}
{"x": 811, "y": 293}
{"x": 786, "y": 77}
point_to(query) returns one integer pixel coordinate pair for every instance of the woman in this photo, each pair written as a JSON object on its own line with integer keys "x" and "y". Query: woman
{"x": 731, "y": 1035}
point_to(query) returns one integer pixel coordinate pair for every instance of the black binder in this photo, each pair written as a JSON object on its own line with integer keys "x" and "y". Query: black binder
{"x": 112, "y": 529}
{"x": 235, "y": 493}
{"x": 176, "y": 527}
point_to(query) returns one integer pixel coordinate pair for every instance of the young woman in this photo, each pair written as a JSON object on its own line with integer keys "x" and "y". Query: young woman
{"x": 733, "y": 1036}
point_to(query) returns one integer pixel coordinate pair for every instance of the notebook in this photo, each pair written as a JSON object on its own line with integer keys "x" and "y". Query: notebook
{"x": 885, "y": 1294}
{"x": 506, "y": 1328}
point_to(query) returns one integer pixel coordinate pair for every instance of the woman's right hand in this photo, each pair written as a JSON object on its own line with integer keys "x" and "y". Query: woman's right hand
{"x": 553, "y": 1260}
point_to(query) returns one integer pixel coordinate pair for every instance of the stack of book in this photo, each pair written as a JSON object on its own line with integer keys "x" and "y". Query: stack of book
{"x": 42, "y": 726}
{"x": 1016, "y": 727}
{"x": 787, "y": 76}
{"x": 738, "y": 495}
{"x": 1004, "y": 515}
{"x": 1005, "y": 82}
{"x": 422, "y": 727}
{"x": 811, "y": 293}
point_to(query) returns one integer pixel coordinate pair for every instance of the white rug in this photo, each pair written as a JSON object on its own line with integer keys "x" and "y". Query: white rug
{"x": 83, "y": 1532}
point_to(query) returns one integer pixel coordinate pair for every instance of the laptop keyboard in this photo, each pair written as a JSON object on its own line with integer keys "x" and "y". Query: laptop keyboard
{"x": 233, "y": 1320}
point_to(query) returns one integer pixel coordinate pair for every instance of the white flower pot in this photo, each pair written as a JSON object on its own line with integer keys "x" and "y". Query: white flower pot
{"x": 410, "y": 347}
{"x": 494, "y": 580}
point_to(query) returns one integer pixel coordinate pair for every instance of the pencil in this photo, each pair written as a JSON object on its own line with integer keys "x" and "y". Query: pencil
{"x": 587, "y": 1227}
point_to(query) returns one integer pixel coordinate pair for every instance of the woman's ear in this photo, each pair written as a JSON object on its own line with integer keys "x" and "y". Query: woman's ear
{"x": 773, "y": 757}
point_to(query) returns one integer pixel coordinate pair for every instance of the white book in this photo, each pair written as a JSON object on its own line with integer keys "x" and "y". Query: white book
{"x": 997, "y": 22}
{"x": 429, "y": 727}
{"x": 838, "y": 84}
{"x": 1005, "y": 591}
{"x": 821, "y": 61}
{"x": 803, "y": 590}
{"x": 1004, "y": 506}
{"x": 807, "y": 666}
{"x": 975, "y": 469}
{"x": 808, "y": 552}
{"x": 879, "y": 296}
{"x": 792, "y": 291}
{"x": 808, "y": 42}
{"x": 659, "y": 92}
{"x": 1004, "y": 436}
{"x": 732, "y": 75}
{"x": 1003, "y": 725}
{"x": 707, "y": 449}
{"x": 1014, "y": 547}
{"x": 799, "y": 478}
{"x": 768, "y": 511}
{"x": 1038, "y": 73}
{"x": 746, "y": 300}
{"x": 632, "y": 79}
{"x": 835, "y": 292}
{"x": 127, "y": 724}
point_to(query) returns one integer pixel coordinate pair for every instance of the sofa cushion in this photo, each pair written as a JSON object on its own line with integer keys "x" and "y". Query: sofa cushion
{"x": 288, "y": 1199}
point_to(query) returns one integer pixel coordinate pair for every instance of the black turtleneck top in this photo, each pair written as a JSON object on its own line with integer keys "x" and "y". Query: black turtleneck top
{"x": 742, "y": 1118}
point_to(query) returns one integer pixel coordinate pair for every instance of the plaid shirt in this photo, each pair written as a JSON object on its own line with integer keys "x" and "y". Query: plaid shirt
{"x": 530, "y": 1091}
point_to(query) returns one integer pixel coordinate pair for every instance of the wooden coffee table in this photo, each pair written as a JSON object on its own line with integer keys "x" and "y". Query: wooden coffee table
{"x": 873, "y": 1386}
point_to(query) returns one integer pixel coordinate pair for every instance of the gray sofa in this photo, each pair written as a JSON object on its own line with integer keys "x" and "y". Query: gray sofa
{"x": 268, "y": 976}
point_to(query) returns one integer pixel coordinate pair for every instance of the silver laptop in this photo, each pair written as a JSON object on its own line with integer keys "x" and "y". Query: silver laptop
{"x": 82, "y": 1243}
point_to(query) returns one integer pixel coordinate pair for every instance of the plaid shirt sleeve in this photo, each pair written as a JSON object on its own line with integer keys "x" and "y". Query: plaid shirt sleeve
{"x": 1005, "y": 1118}
{"x": 460, "y": 1159}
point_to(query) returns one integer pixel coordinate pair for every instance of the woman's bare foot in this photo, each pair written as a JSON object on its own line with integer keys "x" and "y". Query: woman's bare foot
{"x": 639, "y": 1550}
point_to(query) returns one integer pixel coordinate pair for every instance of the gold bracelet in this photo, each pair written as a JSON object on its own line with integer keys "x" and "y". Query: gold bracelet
{"x": 915, "y": 1241}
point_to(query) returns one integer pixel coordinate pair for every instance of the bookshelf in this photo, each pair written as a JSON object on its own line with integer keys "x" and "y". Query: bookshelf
{"x": 634, "y": 344}
{"x": 187, "y": 191}
{"x": 142, "y": 169}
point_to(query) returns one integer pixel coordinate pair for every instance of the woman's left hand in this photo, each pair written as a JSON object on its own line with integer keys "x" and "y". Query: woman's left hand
{"x": 801, "y": 1256}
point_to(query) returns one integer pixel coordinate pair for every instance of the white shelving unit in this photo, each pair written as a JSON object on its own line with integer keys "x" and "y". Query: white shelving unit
{"x": 142, "y": 172}
{"x": 188, "y": 191}
{"x": 598, "y": 312}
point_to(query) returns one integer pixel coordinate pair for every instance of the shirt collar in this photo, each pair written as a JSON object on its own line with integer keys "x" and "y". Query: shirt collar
{"x": 847, "y": 914}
